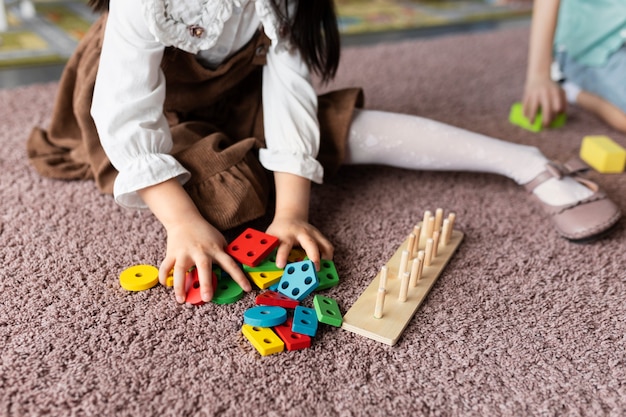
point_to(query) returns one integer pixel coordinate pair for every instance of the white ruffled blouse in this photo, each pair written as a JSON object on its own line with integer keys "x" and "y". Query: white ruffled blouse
{"x": 130, "y": 87}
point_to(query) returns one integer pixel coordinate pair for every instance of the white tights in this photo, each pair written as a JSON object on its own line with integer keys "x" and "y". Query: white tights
{"x": 413, "y": 142}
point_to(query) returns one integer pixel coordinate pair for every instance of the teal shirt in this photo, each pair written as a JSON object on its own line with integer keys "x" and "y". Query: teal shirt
{"x": 591, "y": 30}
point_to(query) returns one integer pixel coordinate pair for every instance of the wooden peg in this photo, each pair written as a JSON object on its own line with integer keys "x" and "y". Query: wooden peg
{"x": 421, "y": 255}
{"x": 411, "y": 245}
{"x": 417, "y": 231}
{"x": 438, "y": 219}
{"x": 404, "y": 262}
{"x": 428, "y": 256}
{"x": 383, "y": 278}
{"x": 445, "y": 233}
{"x": 451, "y": 219}
{"x": 380, "y": 303}
{"x": 435, "y": 243}
{"x": 404, "y": 287}
{"x": 415, "y": 266}
{"x": 427, "y": 215}
{"x": 430, "y": 227}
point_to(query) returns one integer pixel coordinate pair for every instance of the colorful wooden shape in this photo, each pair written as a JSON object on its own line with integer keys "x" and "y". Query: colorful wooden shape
{"x": 252, "y": 247}
{"x": 327, "y": 310}
{"x": 603, "y": 154}
{"x": 296, "y": 255}
{"x": 272, "y": 298}
{"x": 304, "y": 321}
{"x": 227, "y": 291}
{"x": 193, "y": 286}
{"x": 265, "y": 279}
{"x": 299, "y": 280}
{"x": 265, "y": 316}
{"x": 327, "y": 275}
{"x": 264, "y": 340}
{"x": 292, "y": 340}
{"x": 516, "y": 117}
{"x": 139, "y": 277}
{"x": 267, "y": 264}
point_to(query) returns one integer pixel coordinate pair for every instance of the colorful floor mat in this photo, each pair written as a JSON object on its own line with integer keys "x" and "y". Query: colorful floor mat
{"x": 366, "y": 16}
{"x": 51, "y": 36}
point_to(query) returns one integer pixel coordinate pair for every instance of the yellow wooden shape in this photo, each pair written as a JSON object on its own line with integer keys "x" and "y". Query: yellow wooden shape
{"x": 603, "y": 154}
{"x": 264, "y": 340}
{"x": 265, "y": 279}
{"x": 139, "y": 277}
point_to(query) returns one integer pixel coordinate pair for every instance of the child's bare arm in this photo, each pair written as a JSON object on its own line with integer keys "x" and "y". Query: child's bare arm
{"x": 540, "y": 91}
{"x": 191, "y": 240}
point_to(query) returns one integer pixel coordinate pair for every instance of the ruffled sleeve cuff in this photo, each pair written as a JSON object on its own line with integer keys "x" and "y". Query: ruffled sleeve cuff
{"x": 145, "y": 171}
{"x": 299, "y": 164}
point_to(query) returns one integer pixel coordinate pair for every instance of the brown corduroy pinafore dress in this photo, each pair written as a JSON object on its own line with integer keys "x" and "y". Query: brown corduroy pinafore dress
{"x": 216, "y": 120}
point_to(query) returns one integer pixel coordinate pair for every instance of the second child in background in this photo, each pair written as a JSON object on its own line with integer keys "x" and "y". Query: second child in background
{"x": 577, "y": 54}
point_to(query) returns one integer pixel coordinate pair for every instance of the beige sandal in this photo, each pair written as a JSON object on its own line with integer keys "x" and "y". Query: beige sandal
{"x": 584, "y": 220}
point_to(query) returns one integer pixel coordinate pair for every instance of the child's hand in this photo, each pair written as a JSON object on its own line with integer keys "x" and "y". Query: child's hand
{"x": 544, "y": 94}
{"x": 191, "y": 240}
{"x": 200, "y": 244}
{"x": 293, "y": 232}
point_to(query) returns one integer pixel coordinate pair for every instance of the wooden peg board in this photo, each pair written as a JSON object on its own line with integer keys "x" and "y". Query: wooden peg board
{"x": 396, "y": 315}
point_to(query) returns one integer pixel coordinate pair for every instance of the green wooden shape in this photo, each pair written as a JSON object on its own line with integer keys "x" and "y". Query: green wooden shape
{"x": 516, "y": 117}
{"x": 227, "y": 291}
{"x": 327, "y": 310}
{"x": 268, "y": 264}
{"x": 327, "y": 275}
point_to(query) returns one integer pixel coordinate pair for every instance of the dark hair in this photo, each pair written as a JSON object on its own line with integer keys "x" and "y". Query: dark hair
{"x": 99, "y": 5}
{"x": 313, "y": 30}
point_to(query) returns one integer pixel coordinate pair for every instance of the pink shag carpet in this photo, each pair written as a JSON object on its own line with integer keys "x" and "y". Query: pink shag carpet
{"x": 520, "y": 323}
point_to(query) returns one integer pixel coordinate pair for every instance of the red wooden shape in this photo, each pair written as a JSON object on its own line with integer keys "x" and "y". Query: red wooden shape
{"x": 193, "y": 292}
{"x": 251, "y": 247}
{"x": 273, "y": 298}
{"x": 293, "y": 341}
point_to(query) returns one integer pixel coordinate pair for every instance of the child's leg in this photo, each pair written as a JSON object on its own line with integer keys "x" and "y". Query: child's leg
{"x": 600, "y": 90}
{"x": 611, "y": 114}
{"x": 414, "y": 142}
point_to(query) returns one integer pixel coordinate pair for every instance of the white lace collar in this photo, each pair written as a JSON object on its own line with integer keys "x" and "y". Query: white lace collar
{"x": 195, "y": 25}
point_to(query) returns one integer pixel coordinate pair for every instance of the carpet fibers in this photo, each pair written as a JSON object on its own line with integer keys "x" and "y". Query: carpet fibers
{"x": 521, "y": 322}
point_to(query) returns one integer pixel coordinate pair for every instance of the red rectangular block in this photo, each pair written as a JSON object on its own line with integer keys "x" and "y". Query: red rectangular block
{"x": 273, "y": 298}
{"x": 292, "y": 340}
{"x": 252, "y": 246}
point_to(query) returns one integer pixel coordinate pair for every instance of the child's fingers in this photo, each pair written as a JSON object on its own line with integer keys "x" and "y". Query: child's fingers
{"x": 205, "y": 274}
{"x": 165, "y": 269}
{"x": 230, "y": 266}
{"x": 282, "y": 254}
{"x": 326, "y": 248}
{"x": 180, "y": 273}
{"x": 311, "y": 247}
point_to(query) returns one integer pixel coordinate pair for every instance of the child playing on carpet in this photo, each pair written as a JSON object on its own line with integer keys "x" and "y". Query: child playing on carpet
{"x": 587, "y": 42}
{"x": 195, "y": 102}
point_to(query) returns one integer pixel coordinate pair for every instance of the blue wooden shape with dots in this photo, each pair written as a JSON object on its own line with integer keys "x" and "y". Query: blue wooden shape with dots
{"x": 299, "y": 280}
{"x": 265, "y": 316}
{"x": 304, "y": 321}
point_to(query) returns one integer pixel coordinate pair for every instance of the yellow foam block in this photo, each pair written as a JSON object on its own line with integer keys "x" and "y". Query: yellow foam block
{"x": 603, "y": 154}
{"x": 263, "y": 339}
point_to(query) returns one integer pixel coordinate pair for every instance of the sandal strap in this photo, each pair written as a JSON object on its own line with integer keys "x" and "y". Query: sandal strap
{"x": 554, "y": 169}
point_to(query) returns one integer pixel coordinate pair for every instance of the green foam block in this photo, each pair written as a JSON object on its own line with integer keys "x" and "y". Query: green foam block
{"x": 516, "y": 117}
